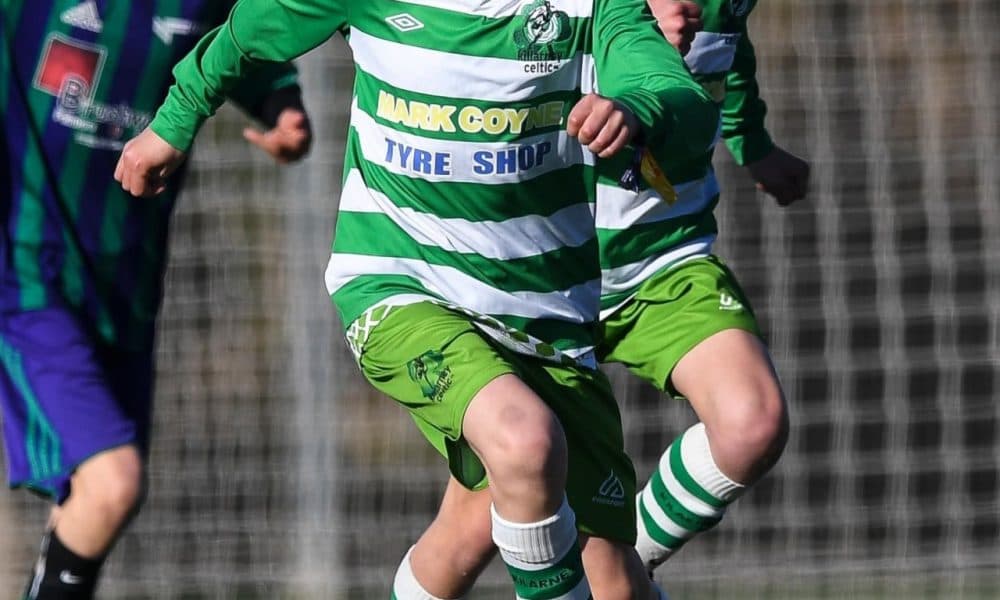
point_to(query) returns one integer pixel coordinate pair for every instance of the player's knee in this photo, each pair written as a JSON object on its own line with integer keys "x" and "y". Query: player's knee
{"x": 755, "y": 428}
{"x": 530, "y": 444}
{"x": 114, "y": 487}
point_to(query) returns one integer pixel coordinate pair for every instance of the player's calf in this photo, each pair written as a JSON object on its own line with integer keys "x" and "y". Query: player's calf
{"x": 106, "y": 492}
{"x": 744, "y": 428}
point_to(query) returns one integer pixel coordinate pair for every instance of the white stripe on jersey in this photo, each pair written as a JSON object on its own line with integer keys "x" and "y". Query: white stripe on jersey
{"x": 504, "y": 8}
{"x": 467, "y": 162}
{"x": 631, "y": 276}
{"x": 513, "y": 238}
{"x": 619, "y": 208}
{"x": 712, "y": 52}
{"x": 484, "y": 78}
{"x": 466, "y": 291}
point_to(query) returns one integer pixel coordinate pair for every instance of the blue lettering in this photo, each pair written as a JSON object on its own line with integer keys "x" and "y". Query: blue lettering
{"x": 483, "y": 165}
{"x": 543, "y": 149}
{"x": 404, "y": 154}
{"x": 506, "y": 161}
{"x": 442, "y": 163}
{"x": 421, "y": 161}
{"x": 389, "y": 144}
{"x": 525, "y": 157}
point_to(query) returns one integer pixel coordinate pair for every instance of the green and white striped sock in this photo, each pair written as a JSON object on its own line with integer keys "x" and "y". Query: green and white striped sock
{"x": 543, "y": 558}
{"x": 686, "y": 495}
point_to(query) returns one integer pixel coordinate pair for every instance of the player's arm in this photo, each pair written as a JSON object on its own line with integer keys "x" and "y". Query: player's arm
{"x": 638, "y": 68}
{"x": 777, "y": 172}
{"x": 271, "y": 95}
{"x": 257, "y": 32}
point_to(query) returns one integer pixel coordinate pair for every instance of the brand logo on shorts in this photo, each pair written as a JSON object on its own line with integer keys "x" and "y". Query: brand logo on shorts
{"x": 611, "y": 492}
{"x": 727, "y": 302}
{"x": 428, "y": 371}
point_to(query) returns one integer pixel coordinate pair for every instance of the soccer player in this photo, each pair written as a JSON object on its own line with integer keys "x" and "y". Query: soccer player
{"x": 464, "y": 264}
{"x": 675, "y": 315}
{"x": 672, "y": 313}
{"x": 81, "y": 261}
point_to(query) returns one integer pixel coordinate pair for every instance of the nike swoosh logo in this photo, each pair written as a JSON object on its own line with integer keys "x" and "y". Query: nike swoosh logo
{"x": 70, "y": 579}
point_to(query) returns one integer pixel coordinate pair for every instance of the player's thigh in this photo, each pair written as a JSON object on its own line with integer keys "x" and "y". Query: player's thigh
{"x": 433, "y": 361}
{"x": 729, "y": 376}
{"x": 674, "y": 312}
{"x": 59, "y": 402}
{"x": 601, "y": 481}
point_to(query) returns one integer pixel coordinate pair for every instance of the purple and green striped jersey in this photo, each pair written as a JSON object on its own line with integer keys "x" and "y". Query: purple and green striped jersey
{"x": 78, "y": 79}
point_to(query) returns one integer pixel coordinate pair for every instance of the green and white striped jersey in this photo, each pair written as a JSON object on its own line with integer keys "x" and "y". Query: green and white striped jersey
{"x": 461, "y": 185}
{"x": 640, "y": 234}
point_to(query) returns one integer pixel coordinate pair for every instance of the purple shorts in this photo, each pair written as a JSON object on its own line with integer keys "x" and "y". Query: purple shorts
{"x": 65, "y": 397}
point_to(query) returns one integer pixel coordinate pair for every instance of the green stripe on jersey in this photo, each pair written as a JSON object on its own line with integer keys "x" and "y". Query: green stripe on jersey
{"x": 472, "y": 120}
{"x": 31, "y": 218}
{"x": 72, "y": 177}
{"x": 623, "y": 247}
{"x": 365, "y": 291}
{"x": 476, "y": 35}
{"x": 375, "y": 234}
{"x": 119, "y": 203}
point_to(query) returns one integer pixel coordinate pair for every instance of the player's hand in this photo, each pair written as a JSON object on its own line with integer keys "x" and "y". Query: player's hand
{"x": 679, "y": 20}
{"x": 782, "y": 175}
{"x": 146, "y": 162}
{"x": 603, "y": 125}
{"x": 288, "y": 141}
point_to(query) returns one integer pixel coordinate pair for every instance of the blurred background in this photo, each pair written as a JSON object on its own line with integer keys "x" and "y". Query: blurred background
{"x": 277, "y": 472}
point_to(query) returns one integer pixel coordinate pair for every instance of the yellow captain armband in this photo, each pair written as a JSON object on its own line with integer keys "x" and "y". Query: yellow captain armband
{"x": 655, "y": 177}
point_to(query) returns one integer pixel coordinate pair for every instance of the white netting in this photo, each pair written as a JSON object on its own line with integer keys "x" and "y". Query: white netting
{"x": 278, "y": 473}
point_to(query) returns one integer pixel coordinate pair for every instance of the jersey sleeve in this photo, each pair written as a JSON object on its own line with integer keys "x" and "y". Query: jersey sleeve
{"x": 637, "y": 67}
{"x": 257, "y": 34}
{"x": 266, "y": 90}
{"x": 743, "y": 109}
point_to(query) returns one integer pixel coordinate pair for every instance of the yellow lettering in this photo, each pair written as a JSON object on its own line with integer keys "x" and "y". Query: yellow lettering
{"x": 553, "y": 112}
{"x": 470, "y": 119}
{"x": 419, "y": 115}
{"x": 386, "y": 104}
{"x": 494, "y": 121}
{"x": 440, "y": 118}
{"x": 516, "y": 118}
{"x": 400, "y": 114}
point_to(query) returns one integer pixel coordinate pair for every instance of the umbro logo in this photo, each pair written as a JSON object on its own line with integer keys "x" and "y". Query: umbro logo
{"x": 404, "y": 22}
{"x": 611, "y": 492}
{"x": 84, "y": 16}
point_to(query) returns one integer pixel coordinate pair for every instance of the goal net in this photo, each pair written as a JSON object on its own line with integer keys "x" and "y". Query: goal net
{"x": 278, "y": 473}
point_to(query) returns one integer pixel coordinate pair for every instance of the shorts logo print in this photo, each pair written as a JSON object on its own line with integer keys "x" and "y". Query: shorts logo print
{"x": 611, "y": 492}
{"x": 428, "y": 371}
{"x": 728, "y": 302}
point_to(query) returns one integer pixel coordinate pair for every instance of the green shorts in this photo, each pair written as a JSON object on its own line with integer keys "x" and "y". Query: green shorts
{"x": 433, "y": 361}
{"x": 674, "y": 311}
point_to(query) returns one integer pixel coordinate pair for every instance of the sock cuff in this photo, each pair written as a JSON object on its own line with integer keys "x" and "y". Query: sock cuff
{"x": 405, "y": 586}
{"x": 696, "y": 454}
{"x": 530, "y": 546}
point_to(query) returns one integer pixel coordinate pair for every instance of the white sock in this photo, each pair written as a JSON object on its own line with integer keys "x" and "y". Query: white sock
{"x": 544, "y": 557}
{"x": 687, "y": 494}
{"x": 405, "y": 586}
